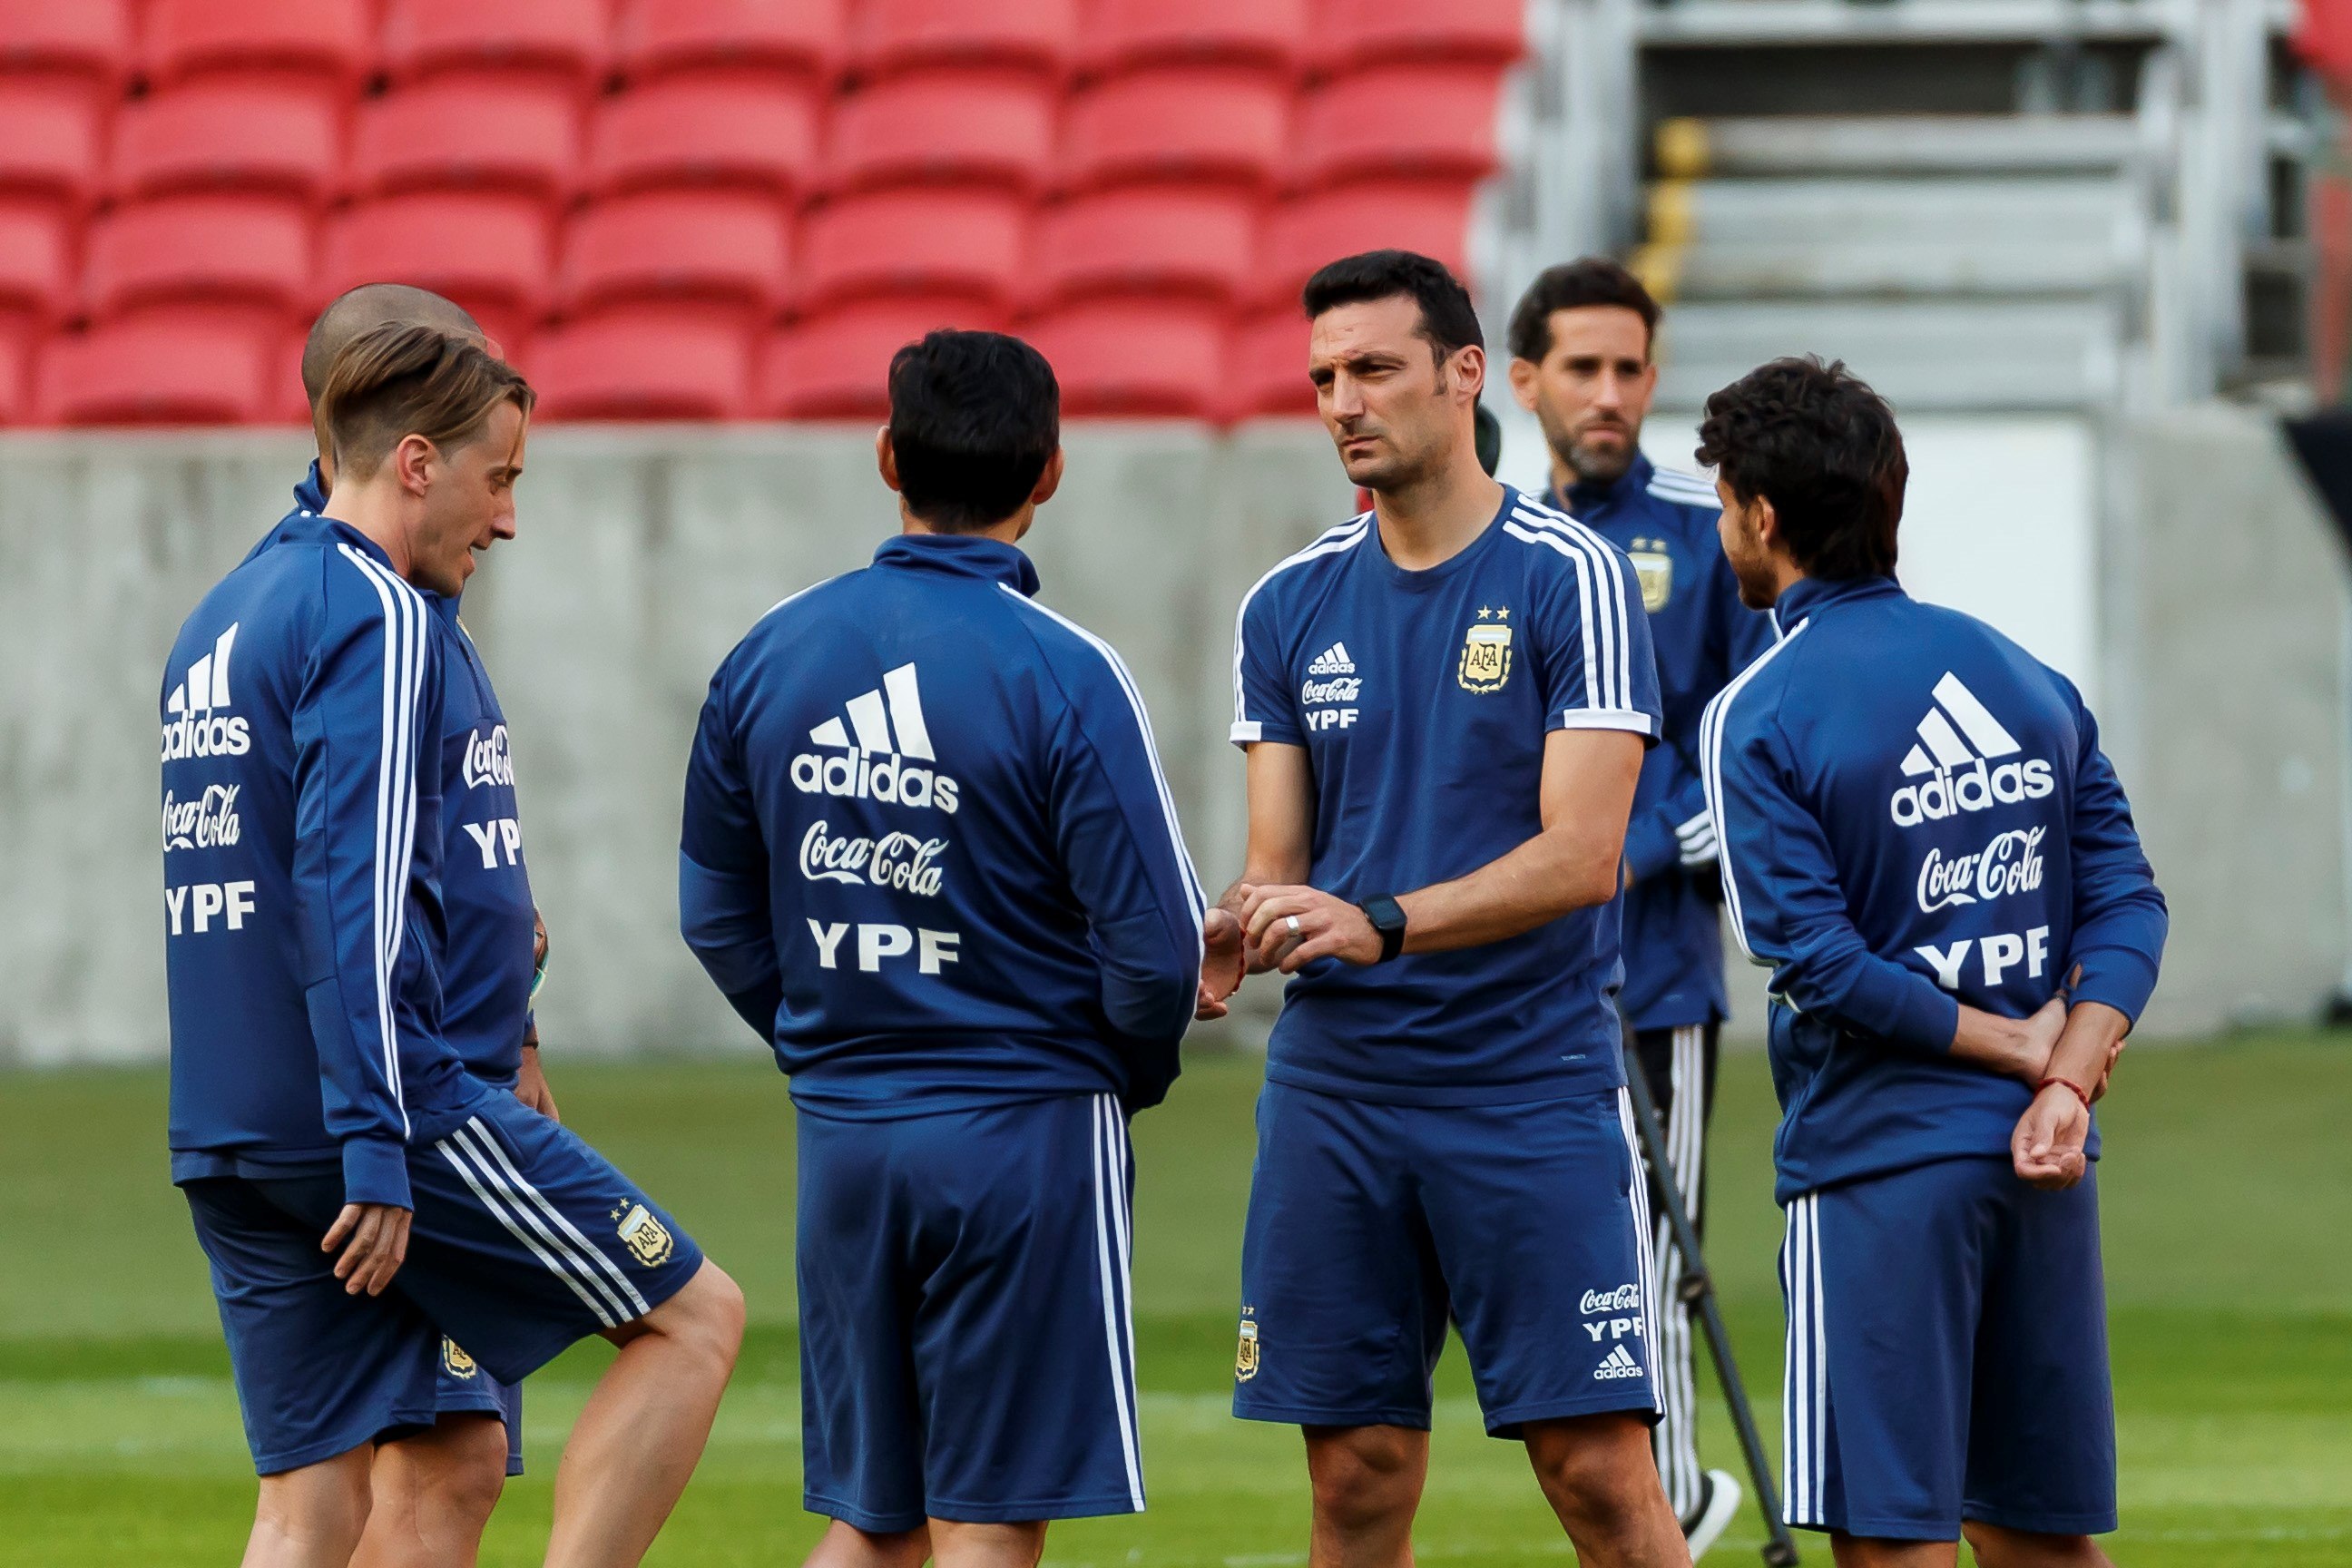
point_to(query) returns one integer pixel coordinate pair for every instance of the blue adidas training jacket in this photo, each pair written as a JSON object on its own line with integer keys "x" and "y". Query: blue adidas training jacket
{"x": 301, "y": 841}
{"x": 1703, "y": 635}
{"x": 1916, "y": 814}
{"x": 927, "y": 851}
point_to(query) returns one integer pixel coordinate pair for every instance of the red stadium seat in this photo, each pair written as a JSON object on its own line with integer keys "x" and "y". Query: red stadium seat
{"x": 1269, "y": 365}
{"x": 17, "y": 345}
{"x": 932, "y": 127}
{"x": 1137, "y": 357}
{"x": 907, "y": 35}
{"x": 644, "y": 362}
{"x": 469, "y": 132}
{"x": 1150, "y": 239}
{"x": 314, "y": 39}
{"x": 1432, "y": 216}
{"x": 248, "y": 251}
{"x": 809, "y": 37}
{"x": 229, "y": 133}
{"x": 1179, "y": 124}
{"x": 723, "y": 246}
{"x": 154, "y": 369}
{"x": 50, "y": 139}
{"x": 1355, "y": 125}
{"x": 1122, "y": 34}
{"x": 284, "y": 400}
{"x": 489, "y": 253}
{"x": 838, "y": 366}
{"x": 564, "y": 39}
{"x": 731, "y": 128}
{"x": 1351, "y": 32}
{"x": 927, "y": 242}
{"x": 88, "y": 40}
{"x": 37, "y": 272}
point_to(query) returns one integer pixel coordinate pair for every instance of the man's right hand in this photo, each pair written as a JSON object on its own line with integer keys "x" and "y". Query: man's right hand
{"x": 1221, "y": 961}
{"x": 377, "y": 1237}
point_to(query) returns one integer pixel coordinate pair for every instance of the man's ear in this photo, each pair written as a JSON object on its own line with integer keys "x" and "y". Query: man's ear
{"x": 1524, "y": 374}
{"x": 886, "y": 457}
{"x": 1049, "y": 481}
{"x": 1767, "y": 523}
{"x": 1470, "y": 365}
{"x": 414, "y": 462}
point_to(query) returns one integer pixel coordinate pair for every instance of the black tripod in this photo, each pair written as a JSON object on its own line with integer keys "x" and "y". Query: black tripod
{"x": 1696, "y": 1287}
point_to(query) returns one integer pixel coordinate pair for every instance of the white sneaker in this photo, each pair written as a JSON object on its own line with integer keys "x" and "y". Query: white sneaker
{"x": 1718, "y": 1504}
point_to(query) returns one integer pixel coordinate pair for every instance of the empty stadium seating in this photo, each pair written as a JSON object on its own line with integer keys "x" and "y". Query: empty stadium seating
{"x": 719, "y": 208}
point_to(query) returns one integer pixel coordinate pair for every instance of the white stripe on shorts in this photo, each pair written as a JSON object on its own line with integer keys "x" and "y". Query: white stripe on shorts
{"x": 1111, "y": 1256}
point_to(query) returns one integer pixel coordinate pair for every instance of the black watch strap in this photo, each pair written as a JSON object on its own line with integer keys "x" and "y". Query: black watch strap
{"x": 1388, "y": 918}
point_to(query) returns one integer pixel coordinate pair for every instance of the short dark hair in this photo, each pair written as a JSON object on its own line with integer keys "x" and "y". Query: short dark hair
{"x": 1821, "y": 447}
{"x": 974, "y": 419}
{"x": 1571, "y": 286}
{"x": 400, "y": 380}
{"x": 1448, "y": 320}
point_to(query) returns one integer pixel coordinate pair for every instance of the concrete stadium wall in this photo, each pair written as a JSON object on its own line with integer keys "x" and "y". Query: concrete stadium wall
{"x": 646, "y": 554}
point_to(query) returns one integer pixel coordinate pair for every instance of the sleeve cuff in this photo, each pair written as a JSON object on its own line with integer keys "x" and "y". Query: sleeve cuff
{"x": 2121, "y": 978}
{"x": 1628, "y": 719}
{"x": 1249, "y": 733}
{"x": 375, "y": 1170}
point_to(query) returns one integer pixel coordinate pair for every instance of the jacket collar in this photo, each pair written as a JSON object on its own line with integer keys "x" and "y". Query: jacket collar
{"x": 311, "y": 495}
{"x": 1809, "y": 595}
{"x": 1586, "y": 497}
{"x": 961, "y": 555}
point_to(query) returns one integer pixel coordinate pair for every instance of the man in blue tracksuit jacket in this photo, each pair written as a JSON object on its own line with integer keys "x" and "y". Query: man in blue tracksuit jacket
{"x": 432, "y": 1492}
{"x": 929, "y": 854}
{"x": 1581, "y": 338}
{"x": 359, "y": 1193}
{"x": 1923, "y": 839}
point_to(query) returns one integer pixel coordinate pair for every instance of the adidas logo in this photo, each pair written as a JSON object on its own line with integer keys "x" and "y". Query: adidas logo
{"x": 193, "y": 726}
{"x": 885, "y": 728}
{"x": 1957, "y": 762}
{"x": 1617, "y": 1365}
{"x": 1333, "y": 661}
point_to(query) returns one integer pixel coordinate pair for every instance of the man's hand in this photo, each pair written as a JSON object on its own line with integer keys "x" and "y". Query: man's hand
{"x": 378, "y": 1237}
{"x": 2014, "y": 1047}
{"x": 538, "y": 953}
{"x": 2107, "y": 1073}
{"x": 2047, "y": 1147}
{"x": 530, "y": 1082}
{"x": 1223, "y": 959}
{"x": 1291, "y": 927}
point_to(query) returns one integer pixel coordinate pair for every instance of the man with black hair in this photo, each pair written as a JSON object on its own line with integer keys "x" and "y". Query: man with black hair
{"x": 1581, "y": 362}
{"x": 929, "y": 856}
{"x": 1923, "y": 839}
{"x": 1446, "y": 702}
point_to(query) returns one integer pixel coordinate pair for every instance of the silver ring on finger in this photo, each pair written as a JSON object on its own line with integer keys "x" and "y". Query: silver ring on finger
{"x": 1291, "y": 921}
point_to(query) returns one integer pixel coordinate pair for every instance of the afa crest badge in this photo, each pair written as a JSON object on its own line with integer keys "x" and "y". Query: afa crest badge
{"x": 1655, "y": 568}
{"x": 648, "y": 1240}
{"x": 1245, "y": 1357}
{"x": 1486, "y": 652}
{"x": 456, "y": 1362}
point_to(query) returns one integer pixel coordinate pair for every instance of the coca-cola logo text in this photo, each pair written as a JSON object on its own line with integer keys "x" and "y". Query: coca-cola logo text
{"x": 898, "y": 861}
{"x": 2011, "y": 863}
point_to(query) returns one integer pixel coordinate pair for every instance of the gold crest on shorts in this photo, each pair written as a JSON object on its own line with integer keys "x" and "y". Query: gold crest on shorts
{"x": 1655, "y": 568}
{"x": 1245, "y": 1357}
{"x": 1486, "y": 652}
{"x": 456, "y": 1362}
{"x": 649, "y": 1239}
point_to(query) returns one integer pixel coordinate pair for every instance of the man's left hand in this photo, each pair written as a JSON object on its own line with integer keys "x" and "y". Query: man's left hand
{"x": 530, "y": 1083}
{"x": 2047, "y": 1147}
{"x": 1326, "y": 927}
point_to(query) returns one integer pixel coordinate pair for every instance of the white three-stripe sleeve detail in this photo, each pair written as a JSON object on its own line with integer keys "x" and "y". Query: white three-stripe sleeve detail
{"x": 556, "y": 1216}
{"x": 457, "y": 1163}
{"x": 1347, "y": 536}
{"x": 1710, "y": 748}
{"x": 1112, "y": 1338}
{"x": 1608, "y": 571}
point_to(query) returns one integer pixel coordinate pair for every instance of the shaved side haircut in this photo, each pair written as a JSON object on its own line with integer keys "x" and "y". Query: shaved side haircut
{"x": 400, "y": 380}
{"x": 373, "y": 305}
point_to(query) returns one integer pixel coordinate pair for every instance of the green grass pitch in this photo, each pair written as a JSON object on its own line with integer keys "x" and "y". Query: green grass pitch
{"x": 2228, "y": 1200}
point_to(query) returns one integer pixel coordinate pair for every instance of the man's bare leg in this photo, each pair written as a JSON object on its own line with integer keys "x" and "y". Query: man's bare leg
{"x": 1863, "y": 1552}
{"x": 846, "y": 1546}
{"x": 1367, "y": 1482}
{"x": 433, "y": 1493}
{"x": 1997, "y": 1547}
{"x": 645, "y": 1426}
{"x": 1597, "y": 1474}
{"x": 311, "y": 1518}
{"x": 955, "y": 1545}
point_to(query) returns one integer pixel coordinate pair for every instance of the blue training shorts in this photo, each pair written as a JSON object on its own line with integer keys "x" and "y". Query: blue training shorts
{"x": 966, "y": 1350}
{"x": 525, "y": 1240}
{"x": 1370, "y": 1225}
{"x": 1947, "y": 1356}
{"x": 460, "y": 1387}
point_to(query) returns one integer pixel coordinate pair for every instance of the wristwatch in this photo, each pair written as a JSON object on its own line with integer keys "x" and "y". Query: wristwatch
{"x": 1388, "y": 918}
